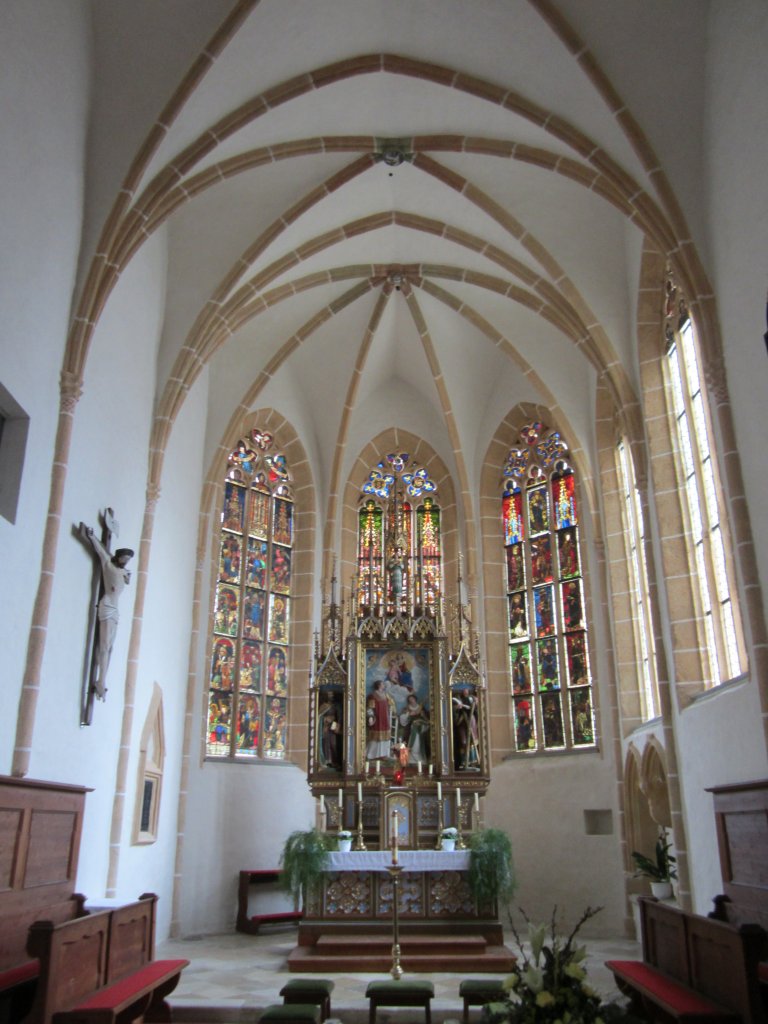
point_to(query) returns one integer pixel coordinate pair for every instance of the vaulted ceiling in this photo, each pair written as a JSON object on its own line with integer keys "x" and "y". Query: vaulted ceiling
{"x": 376, "y": 213}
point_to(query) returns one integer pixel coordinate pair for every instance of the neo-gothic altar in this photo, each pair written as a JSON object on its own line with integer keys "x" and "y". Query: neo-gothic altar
{"x": 398, "y": 738}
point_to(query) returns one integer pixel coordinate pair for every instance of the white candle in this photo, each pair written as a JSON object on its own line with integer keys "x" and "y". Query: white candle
{"x": 359, "y": 792}
{"x": 431, "y": 769}
{"x": 322, "y": 804}
{"x": 378, "y": 767}
{"x": 341, "y": 797}
{"x": 458, "y": 797}
{"x": 419, "y": 767}
{"x": 477, "y": 803}
{"x": 367, "y": 767}
{"x": 439, "y": 791}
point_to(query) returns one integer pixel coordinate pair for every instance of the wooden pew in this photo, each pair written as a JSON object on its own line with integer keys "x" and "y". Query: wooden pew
{"x": 101, "y": 968}
{"x": 694, "y": 969}
{"x": 40, "y": 828}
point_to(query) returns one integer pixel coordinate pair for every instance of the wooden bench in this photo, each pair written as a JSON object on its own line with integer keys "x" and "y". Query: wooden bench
{"x": 693, "y": 969}
{"x": 250, "y": 923}
{"x": 40, "y": 828}
{"x": 101, "y": 968}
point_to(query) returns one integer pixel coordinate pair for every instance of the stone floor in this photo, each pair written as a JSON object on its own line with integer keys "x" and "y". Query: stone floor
{"x": 232, "y": 977}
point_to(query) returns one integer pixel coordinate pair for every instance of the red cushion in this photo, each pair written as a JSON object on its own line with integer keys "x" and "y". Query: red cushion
{"x": 18, "y": 975}
{"x": 679, "y": 998}
{"x": 134, "y": 985}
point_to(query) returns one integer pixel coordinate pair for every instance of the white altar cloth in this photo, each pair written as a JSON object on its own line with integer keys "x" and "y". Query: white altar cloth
{"x": 409, "y": 860}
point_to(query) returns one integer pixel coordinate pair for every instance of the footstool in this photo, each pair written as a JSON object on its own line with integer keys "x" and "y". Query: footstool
{"x": 400, "y": 993}
{"x": 291, "y": 1013}
{"x": 478, "y": 992}
{"x": 309, "y": 990}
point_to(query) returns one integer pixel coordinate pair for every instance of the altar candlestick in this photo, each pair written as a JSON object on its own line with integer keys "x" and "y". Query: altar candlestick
{"x": 477, "y": 803}
{"x": 378, "y": 767}
{"x": 439, "y": 791}
{"x": 419, "y": 767}
{"x": 458, "y": 797}
{"x": 322, "y": 804}
{"x": 431, "y": 769}
{"x": 341, "y": 797}
{"x": 367, "y": 767}
{"x": 394, "y": 837}
{"x": 359, "y": 792}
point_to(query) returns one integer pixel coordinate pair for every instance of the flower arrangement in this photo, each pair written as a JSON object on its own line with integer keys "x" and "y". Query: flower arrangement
{"x": 450, "y": 833}
{"x": 550, "y": 985}
{"x": 343, "y": 834}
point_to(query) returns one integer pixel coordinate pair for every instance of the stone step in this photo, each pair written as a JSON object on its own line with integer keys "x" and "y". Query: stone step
{"x": 412, "y": 945}
{"x": 357, "y": 959}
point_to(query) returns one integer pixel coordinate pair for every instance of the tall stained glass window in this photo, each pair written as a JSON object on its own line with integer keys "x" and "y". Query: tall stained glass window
{"x": 701, "y": 487}
{"x": 248, "y": 686}
{"x": 548, "y": 648}
{"x": 399, "y": 526}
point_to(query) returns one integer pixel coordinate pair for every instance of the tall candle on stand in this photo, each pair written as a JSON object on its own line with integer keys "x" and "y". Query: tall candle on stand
{"x": 341, "y": 797}
{"x": 322, "y": 804}
{"x": 439, "y": 791}
{"x": 477, "y": 803}
{"x": 359, "y": 792}
{"x": 458, "y": 797}
{"x": 394, "y": 837}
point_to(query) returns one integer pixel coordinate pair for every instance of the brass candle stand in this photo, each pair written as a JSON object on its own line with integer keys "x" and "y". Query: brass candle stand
{"x": 359, "y": 840}
{"x": 394, "y": 870}
{"x": 440, "y": 823}
{"x": 460, "y": 844}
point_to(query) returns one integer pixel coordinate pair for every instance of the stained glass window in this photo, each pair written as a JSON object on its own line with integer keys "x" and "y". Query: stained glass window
{"x": 548, "y": 649}
{"x": 248, "y": 686}
{"x": 701, "y": 490}
{"x": 399, "y": 557}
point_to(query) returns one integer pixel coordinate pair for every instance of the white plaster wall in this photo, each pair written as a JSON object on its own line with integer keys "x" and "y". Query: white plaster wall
{"x": 736, "y": 169}
{"x": 45, "y": 102}
{"x": 238, "y": 819}
{"x": 719, "y": 741}
{"x": 108, "y": 467}
{"x": 540, "y": 804}
{"x": 164, "y": 656}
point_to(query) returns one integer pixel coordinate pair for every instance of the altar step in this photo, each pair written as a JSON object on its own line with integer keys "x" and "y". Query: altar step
{"x": 419, "y": 954}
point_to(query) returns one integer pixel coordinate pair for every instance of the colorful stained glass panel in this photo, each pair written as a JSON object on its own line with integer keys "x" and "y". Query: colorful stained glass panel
{"x": 282, "y": 532}
{"x": 512, "y": 515}
{"x": 568, "y": 554}
{"x": 573, "y": 613}
{"x": 564, "y": 501}
{"x": 515, "y": 567}
{"x": 248, "y": 726}
{"x": 581, "y": 717}
{"x": 552, "y": 720}
{"x": 525, "y": 730}
{"x": 256, "y": 572}
{"x": 222, "y": 663}
{"x": 253, "y": 614}
{"x": 578, "y": 659}
{"x": 543, "y": 609}
{"x": 219, "y": 720}
{"x": 549, "y": 673}
{"x": 518, "y": 618}
{"x": 281, "y": 569}
{"x": 250, "y": 666}
{"x": 538, "y": 510}
{"x": 234, "y": 507}
{"x": 275, "y": 728}
{"x": 259, "y": 524}
{"x": 277, "y": 678}
{"x": 541, "y": 560}
{"x": 520, "y": 657}
{"x": 225, "y": 617}
{"x": 278, "y": 618}
{"x": 229, "y": 558}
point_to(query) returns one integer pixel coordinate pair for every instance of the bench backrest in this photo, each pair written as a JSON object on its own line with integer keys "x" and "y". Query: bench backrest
{"x": 40, "y": 828}
{"x": 723, "y": 964}
{"x": 73, "y": 962}
{"x": 714, "y": 958}
{"x": 131, "y": 937}
{"x": 665, "y": 944}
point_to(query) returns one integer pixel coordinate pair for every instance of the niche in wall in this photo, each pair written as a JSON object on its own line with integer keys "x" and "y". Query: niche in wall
{"x": 150, "y": 773}
{"x": 14, "y": 427}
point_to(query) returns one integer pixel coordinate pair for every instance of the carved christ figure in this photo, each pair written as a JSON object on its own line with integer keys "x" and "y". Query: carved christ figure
{"x": 114, "y": 579}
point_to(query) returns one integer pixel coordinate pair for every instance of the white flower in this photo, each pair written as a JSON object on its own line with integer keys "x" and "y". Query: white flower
{"x": 575, "y": 971}
{"x": 544, "y": 999}
{"x": 533, "y": 978}
{"x": 536, "y": 938}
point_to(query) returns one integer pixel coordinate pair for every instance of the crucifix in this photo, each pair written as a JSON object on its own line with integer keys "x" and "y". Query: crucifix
{"x": 109, "y": 582}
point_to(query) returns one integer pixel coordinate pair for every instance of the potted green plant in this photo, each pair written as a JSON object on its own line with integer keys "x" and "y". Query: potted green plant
{"x": 491, "y": 869}
{"x": 303, "y": 861}
{"x": 660, "y": 869}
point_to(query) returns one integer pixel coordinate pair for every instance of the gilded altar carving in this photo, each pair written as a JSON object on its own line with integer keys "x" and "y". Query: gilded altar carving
{"x": 348, "y": 894}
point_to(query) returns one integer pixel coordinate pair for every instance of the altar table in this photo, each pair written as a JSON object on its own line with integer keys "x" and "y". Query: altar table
{"x": 408, "y": 860}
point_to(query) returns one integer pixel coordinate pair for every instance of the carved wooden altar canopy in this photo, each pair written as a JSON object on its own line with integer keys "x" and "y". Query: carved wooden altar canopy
{"x": 398, "y": 699}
